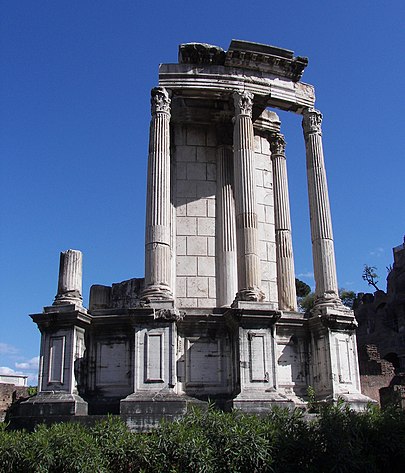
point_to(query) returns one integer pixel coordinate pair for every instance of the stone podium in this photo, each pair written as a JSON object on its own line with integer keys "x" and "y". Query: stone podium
{"x": 215, "y": 317}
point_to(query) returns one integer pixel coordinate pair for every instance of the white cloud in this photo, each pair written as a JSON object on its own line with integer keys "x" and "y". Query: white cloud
{"x": 10, "y": 371}
{"x": 377, "y": 252}
{"x": 6, "y": 349}
{"x": 31, "y": 364}
{"x": 308, "y": 275}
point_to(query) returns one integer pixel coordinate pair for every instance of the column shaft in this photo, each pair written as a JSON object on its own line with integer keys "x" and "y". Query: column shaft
{"x": 287, "y": 298}
{"x": 226, "y": 241}
{"x": 157, "y": 238}
{"x": 321, "y": 223}
{"x": 245, "y": 201}
{"x": 70, "y": 278}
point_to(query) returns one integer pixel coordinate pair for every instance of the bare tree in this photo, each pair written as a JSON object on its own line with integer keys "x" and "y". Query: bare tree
{"x": 370, "y": 276}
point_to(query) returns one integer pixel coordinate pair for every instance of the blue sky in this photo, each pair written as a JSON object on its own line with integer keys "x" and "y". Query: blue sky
{"x": 74, "y": 110}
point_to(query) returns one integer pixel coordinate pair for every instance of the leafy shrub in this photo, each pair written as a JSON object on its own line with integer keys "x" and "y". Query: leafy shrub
{"x": 336, "y": 440}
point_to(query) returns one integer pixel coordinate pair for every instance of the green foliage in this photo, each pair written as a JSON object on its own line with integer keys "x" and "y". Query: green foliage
{"x": 302, "y": 288}
{"x": 347, "y": 297}
{"x": 307, "y": 302}
{"x": 336, "y": 440}
{"x": 312, "y": 403}
{"x": 32, "y": 390}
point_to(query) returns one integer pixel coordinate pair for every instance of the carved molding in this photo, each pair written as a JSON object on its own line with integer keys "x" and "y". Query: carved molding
{"x": 160, "y": 100}
{"x": 243, "y": 103}
{"x": 277, "y": 144}
{"x": 172, "y": 315}
{"x": 312, "y": 121}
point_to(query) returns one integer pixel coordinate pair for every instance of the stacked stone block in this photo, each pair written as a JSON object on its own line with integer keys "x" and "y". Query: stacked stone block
{"x": 265, "y": 213}
{"x": 195, "y": 163}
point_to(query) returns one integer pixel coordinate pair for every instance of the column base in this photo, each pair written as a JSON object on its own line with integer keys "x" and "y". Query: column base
{"x": 334, "y": 315}
{"x": 356, "y": 401}
{"x": 259, "y": 403}
{"x": 66, "y": 306}
{"x": 143, "y": 411}
{"x": 53, "y": 403}
{"x": 157, "y": 293}
{"x": 249, "y": 294}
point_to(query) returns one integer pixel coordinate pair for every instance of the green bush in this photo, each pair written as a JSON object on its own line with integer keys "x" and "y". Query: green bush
{"x": 337, "y": 440}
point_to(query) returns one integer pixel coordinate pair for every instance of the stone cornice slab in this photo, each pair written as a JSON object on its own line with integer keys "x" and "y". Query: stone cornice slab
{"x": 191, "y": 80}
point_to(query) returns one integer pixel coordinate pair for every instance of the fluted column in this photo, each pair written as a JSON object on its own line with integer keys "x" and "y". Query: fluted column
{"x": 245, "y": 201}
{"x": 70, "y": 278}
{"x": 226, "y": 240}
{"x": 157, "y": 238}
{"x": 326, "y": 287}
{"x": 287, "y": 298}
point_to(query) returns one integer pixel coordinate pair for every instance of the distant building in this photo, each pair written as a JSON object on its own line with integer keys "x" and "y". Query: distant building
{"x": 381, "y": 336}
{"x": 15, "y": 379}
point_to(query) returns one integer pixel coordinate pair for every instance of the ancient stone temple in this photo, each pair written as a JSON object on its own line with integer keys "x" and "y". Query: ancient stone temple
{"x": 216, "y": 315}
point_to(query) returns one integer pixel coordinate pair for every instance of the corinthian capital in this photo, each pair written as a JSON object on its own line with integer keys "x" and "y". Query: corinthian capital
{"x": 277, "y": 144}
{"x": 311, "y": 121}
{"x": 160, "y": 101}
{"x": 243, "y": 103}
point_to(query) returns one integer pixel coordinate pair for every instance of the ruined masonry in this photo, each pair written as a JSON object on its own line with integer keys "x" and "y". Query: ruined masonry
{"x": 215, "y": 317}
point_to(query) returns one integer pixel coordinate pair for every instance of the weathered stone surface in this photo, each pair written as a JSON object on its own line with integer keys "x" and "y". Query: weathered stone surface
{"x": 70, "y": 279}
{"x": 262, "y": 57}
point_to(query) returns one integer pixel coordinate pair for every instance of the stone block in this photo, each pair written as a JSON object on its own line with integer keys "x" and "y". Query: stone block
{"x": 186, "y": 265}
{"x": 181, "y": 208}
{"x": 268, "y": 270}
{"x": 266, "y": 232}
{"x": 181, "y": 287}
{"x": 257, "y": 144}
{"x": 186, "y": 226}
{"x": 197, "y": 287}
{"x": 211, "y": 137}
{"x": 211, "y": 246}
{"x": 265, "y": 146}
{"x": 197, "y": 171}
{"x": 261, "y": 215}
{"x": 181, "y": 170}
{"x": 262, "y": 195}
{"x": 212, "y": 288}
{"x": 271, "y": 251}
{"x": 211, "y": 208}
{"x": 197, "y": 246}
{"x": 179, "y": 135}
{"x": 186, "y": 153}
{"x": 206, "y": 226}
{"x": 259, "y": 177}
{"x": 197, "y": 208}
{"x": 206, "y": 266}
{"x": 273, "y": 292}
{"x": 262, "y": 162}
{"x": 267, "y": 179}
{"x": 206, "y": 303}
{"x": 269, "y": 211}
{"x": 186, "y": 189}
{"x": 196, "y": 136}
{"x": 181, "y": 249}
{"x": 263, "y": 250}
{"x": 211, "y": 172}
{"x": 183, "y": 302}
{"x": 265, "y": 288}
{"x": 206, "y": 155}
{"x": 206, "y": 189}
